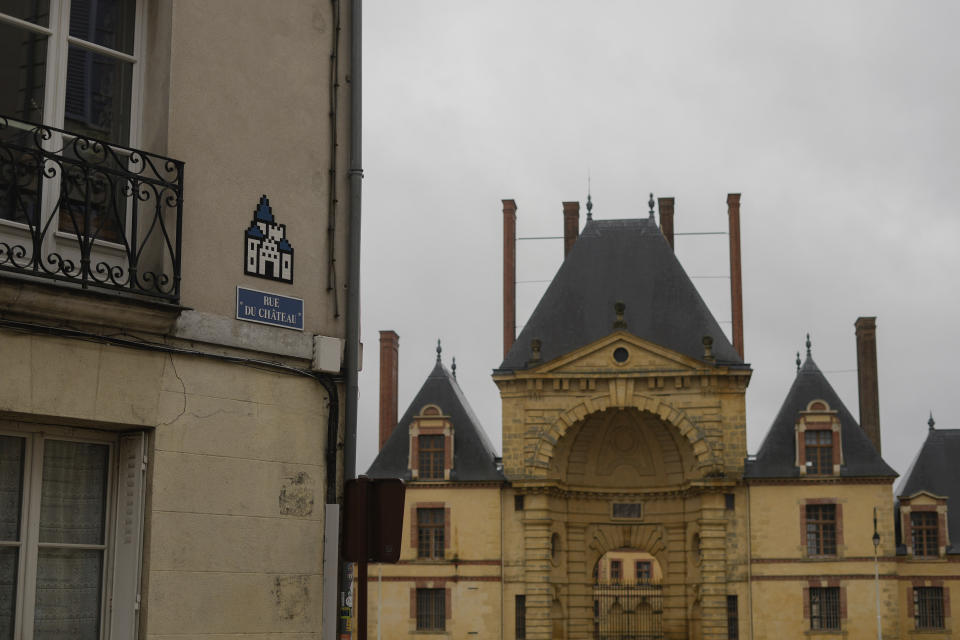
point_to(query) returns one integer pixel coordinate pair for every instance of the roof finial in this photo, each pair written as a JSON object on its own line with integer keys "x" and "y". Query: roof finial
{"x": 808, "y": 345}
{"x": 798, "y": 362}
{"x": 931, "y": 421}
{"x": 650, "y": 204}
{"x": 619, "y": 308}
{"x": 453, "y": 367}
{"x": 439, "y": 349}
{"x": 589, "y": 201}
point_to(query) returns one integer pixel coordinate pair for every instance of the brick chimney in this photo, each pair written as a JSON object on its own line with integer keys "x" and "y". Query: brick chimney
{"x": 389, "y": 356}
{"x": 736, "y": 283}
{"x": 509, "y": 274}
{"x": 867, "y": 378}
{"x": 571, "y": 225}
{"x": 665, "y": 205}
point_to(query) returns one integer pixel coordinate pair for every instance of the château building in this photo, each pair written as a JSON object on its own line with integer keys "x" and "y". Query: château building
{"x": 625, "y": 504}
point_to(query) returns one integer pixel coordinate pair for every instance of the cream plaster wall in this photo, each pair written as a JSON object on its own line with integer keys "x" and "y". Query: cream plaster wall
{"x": 236, "y": 478}
{"x": 239, "y": 90}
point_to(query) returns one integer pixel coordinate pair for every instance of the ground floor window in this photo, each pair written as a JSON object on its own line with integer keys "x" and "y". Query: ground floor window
{"x": 733, "y": 620}
{"x": 928, "y": 607}
{"x": 521, "y": 617}
{"x": 825, "y": 608}
{"x": 431, "y": 609}
{"x": 58, "y": 530}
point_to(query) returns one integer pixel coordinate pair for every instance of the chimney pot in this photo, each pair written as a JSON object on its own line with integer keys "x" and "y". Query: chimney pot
{"x": 666, "y": 218}
{"x": 509, "y": 274}
{"x": 571, "y": 225}
{"x": 389, "y": 357}
{"x": 736, "y": 282}
{"x": 866, "y": 331}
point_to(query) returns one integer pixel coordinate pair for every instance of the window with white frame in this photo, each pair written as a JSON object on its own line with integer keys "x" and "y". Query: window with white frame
{"x": 73, "y": 65}
{"x": 69, "y": 562}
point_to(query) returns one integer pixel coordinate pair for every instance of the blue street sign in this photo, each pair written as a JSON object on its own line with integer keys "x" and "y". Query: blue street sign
{"x": 269, "y": 308}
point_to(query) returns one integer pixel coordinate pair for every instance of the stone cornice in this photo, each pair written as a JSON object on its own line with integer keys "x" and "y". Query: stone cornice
{"x": 20, "y": 299}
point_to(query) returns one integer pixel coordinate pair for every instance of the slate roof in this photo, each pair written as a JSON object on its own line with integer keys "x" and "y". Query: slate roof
{"x": 778, "y": 451}
{"x": 473, "y": 455}
{"x": 935, "y": 470}
{"x": 631, "y": 262}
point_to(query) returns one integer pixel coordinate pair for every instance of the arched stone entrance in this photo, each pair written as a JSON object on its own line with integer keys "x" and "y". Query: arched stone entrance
{"x": 619, "y": 480}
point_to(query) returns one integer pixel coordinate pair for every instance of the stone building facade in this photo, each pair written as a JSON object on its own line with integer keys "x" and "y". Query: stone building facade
{"x": 165, "y": 464}
{"x": 629, "y": 506}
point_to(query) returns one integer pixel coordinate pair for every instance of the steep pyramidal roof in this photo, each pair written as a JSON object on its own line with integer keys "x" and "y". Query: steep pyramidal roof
{"x": 777, "y": 455}
{"x": 936, "y": 471}
{"x": 625, "y": 261}
{"x": 473, "y": 455}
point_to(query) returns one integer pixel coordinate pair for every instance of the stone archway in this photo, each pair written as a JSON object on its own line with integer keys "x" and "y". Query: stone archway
{"x": 539, "y": 462}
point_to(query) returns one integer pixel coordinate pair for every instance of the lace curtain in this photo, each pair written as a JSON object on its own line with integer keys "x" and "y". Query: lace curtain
{"x": 11, "y": 494}
{"x": 72, "y": 512}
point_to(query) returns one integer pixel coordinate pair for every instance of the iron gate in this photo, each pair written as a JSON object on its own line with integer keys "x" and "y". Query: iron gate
{"x": 628, "y": 611}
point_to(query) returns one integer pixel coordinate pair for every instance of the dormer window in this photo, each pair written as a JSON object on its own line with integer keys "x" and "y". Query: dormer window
{"x": 431, "y": 445}
{"x": 924, "y": 532}
{"x": 924, "y": 524}
{"x": 819, "y": 450}
{"x": 431, "y": 457}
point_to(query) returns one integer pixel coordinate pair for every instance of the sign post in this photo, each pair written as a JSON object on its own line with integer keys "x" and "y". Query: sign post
{"x": 372, "y": 529}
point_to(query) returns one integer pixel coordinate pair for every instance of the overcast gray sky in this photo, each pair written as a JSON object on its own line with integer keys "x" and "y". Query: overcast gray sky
{"x": 839, "y": 122}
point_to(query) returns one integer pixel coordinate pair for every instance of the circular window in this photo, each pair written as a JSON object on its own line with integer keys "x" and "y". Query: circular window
{"x": 620, "y": 354}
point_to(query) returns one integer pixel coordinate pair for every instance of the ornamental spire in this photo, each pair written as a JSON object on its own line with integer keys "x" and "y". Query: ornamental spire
{"x": 931, "y": 421}
{"x": 650, "y": 204}
{"x": 439, "y": 350}
{"x": 589, "y": 201}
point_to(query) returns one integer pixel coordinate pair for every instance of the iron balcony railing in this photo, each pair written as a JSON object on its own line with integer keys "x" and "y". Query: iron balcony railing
{"x": 83, "y": 211}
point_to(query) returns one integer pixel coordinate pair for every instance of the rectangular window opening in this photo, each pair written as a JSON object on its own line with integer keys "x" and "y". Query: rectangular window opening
{"x": 924, "y": 530}
{"x": 733, "y": 620}
{"x": 819, "y": 451}
{"x": 521, "y": 616}
{"x": 821, "y": 523}
{"x": 431, "y": 609}
{"x": 825, "y": 608}
{"x": 430, "y": 457}
{"x": 430, "y": 533}
{"x": 928, "y": 607}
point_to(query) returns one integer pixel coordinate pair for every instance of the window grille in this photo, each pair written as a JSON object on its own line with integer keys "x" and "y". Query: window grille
{"x": 430, "y": 533}
{"x": 923, "y": 528}
{"x": 819, "y": 452}
{"x": 616, "y": 570}
{"x": 518, "y": 503}
{"x": 825, "y": 608}
{"x": 928, "y": 607}
{"x": 431, "y": 457}
{"x": 431, "y": 609}
{"x": 733, "y": 621}
{"x": 821, "y": 529}
{"x": 521, "y": 617}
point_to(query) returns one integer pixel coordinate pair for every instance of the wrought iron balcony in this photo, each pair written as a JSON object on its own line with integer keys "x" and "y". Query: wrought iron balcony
{"x": 86, "y": 212}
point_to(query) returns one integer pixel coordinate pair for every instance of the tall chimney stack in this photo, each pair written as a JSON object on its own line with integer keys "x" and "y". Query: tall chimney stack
{"x": 389, "y": 356}
{"x": 571, "y": 225}
{"x": 509, "y": 274}
{"x": 867, "y": 378}
{"x": 736, "y": 283}
{"x": 666, "y": 218}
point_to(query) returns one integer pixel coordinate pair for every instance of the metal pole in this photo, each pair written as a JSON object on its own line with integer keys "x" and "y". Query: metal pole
{"x": 876, "y": 572}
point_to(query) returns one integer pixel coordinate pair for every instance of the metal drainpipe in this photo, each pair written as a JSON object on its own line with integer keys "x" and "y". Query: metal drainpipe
{"x": 353, "y": 257}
